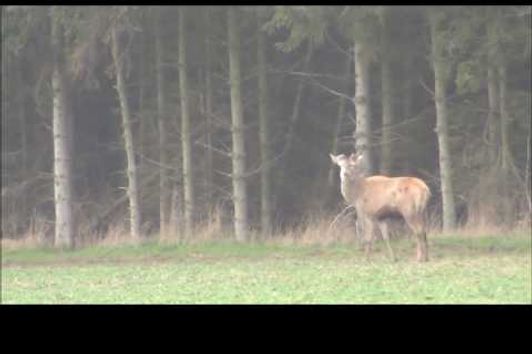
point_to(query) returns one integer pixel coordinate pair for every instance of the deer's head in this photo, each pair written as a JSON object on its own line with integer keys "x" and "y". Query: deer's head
{"x": 350, "y": 167}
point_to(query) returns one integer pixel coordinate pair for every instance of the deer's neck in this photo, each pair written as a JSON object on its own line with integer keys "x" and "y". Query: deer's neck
{"x": 351, "y": 187}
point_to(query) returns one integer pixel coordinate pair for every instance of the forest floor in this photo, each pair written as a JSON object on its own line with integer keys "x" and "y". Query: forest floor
{"x": 491, "y": 269}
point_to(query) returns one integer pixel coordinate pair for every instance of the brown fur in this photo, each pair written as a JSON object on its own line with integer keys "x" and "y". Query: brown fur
{"x": 402, "y": 195}
{"x": 377, "y": 198}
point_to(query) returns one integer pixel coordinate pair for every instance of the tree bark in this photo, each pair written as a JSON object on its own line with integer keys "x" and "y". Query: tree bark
{"x": 297, "y": 104}
{"x": 406, "y": 101}
{"x": 407, "y": 87}
{"x": 164, "y": 187}
{"x": 331, "y": 176}
{"x": 387, "y": 100}
{"x": 506, "y": 155}
{"x": 143, "y": 81}
{"x": 64, "y": 223}
{"x": 493, "y": 99}
{"x": 21, "y": 102}
{"x": 186, "y": 142}
{"x": 264, "y": 132}
{"x": 362, "y": 133}
{"x": 281, "y": 183}
{"x": 175, "y": 213}
{"x": 238, "y": 153}
{"x": 528, "y": 184}
{"x": 121, "y": 88}
{"x": 24, "y": 147}
{"x": 440, "y": 83}
{"x": 208, "y": 108}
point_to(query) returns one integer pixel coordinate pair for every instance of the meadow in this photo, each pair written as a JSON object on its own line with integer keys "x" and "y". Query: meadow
{"x": 485, "y": 269}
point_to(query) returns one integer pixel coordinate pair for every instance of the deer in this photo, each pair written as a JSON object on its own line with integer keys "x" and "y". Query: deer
{"x": 377, "y": 198}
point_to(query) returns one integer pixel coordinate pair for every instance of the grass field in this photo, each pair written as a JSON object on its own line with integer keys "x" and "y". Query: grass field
{"x": 463, "y": 269}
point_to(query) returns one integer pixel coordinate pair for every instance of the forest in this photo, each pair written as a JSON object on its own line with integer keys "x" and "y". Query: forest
{"x": 165, "y": 122}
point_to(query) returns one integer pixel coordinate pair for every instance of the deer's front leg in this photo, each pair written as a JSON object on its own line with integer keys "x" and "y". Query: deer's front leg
{"x": 369, "y": 229}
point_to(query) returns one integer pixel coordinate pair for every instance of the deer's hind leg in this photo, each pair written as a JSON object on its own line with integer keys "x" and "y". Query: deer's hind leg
{"x": 383, "y": 227}
{"x": 418, "y": 228}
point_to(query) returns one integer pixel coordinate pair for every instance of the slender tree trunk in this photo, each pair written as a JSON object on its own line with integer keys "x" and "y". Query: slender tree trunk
{"x": 64, "y": 223}
{"x": 362, "y": 134}
{"x": 528, "y": 184}
{"x": 23, "y": 124}
{"x": 331, "y": 175}
{"x": 493, "y": 99}
{"x": 164, "y": 187}
{"x": 406, "y": 97}
{"x": 281, "y": 183}
{"x": 208, "y": 109}
{"x": 121, "y": 88}
{"x": 239, "y": 153}
{"x": 264, "y": 132}
{"x": 24, "y": 128}
{"x": 387, "y": 101}
{"x": 142, "y": 116}
{"x": 440, "y": 79}
{"x": 387, "y": 120}
{"x": 334, "y": 146}
{"x": 506, "y": 155}
{"x": 505, "y": 203}
{"x": 406, "y": 100}
{"x": 175, "y": 212}
{"x": 297, "y": 104}
{"x": 188, "y": 176}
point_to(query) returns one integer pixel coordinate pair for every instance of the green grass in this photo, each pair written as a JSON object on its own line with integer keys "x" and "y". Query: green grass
{"x": 487, "y": 269}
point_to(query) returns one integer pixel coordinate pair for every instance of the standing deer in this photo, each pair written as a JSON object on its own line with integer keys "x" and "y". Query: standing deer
{"x": 377, "y": 198}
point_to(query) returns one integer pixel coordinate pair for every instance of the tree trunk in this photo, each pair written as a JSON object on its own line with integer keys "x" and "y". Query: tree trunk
{"x": 264, "y": 132}
{"x": 121, "y": 88}
{"x": 238, "y": 153}
{"x": 362, "y": 134}
{"x": 406, "y": 97}
{"x": 528, "y": 184}
{"x": 331, "y": 175}
{"x": 186, "y": 142}
{"x": 164, "y": 188}
{"x": 440, "y": 80}
{"x": 64, "y": 223}
{"x": 281, "y": 183}
{"x": 506, "y": 155}
{"x": 208, "y": 109}
{"x": 143, "y": 82}
{"x": 297, "y": 105}
{"x": 24, "y": 128}
{"x": 175, "y": 213}
{"x": 493, "y": 99}
{"x": 406, "y": 102}
{"x": 334, "y": 146}
{"x": 387, "y": 101}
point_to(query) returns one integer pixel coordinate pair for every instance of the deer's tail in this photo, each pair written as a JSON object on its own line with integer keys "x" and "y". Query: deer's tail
{"x": 422, "y": 200}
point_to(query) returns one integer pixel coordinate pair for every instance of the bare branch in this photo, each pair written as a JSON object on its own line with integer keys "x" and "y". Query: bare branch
{"x": 338, "y": 217}
{"x": 426, "y": 87}
{"x": 210, "y": 147}
{"x": 156, "y": 163}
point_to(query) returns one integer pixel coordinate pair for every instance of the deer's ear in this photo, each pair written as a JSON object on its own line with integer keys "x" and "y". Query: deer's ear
{"x": 356, "y": 158}
{"x": 337, "y": 159}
